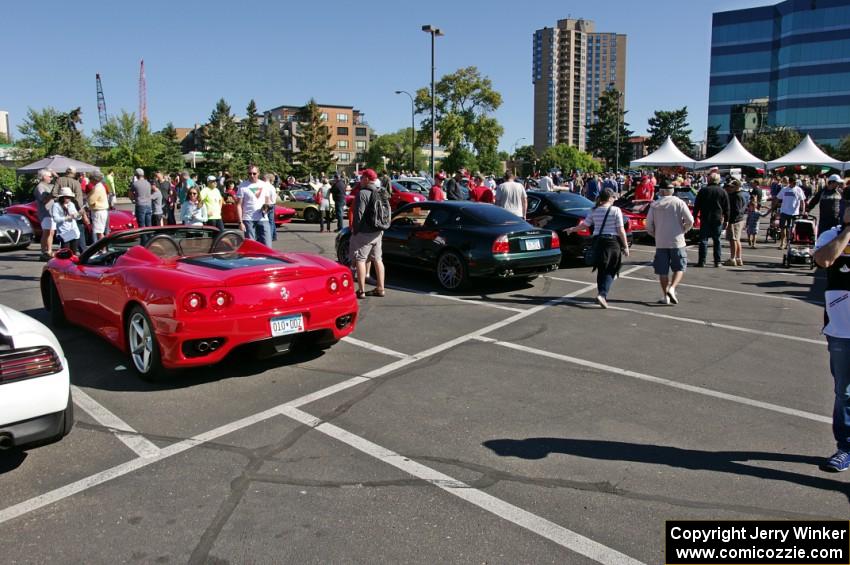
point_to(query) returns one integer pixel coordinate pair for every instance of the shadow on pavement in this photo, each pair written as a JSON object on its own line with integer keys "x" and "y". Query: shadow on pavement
{"x": 731, "y": 462}
{"x": 11, "y": 460}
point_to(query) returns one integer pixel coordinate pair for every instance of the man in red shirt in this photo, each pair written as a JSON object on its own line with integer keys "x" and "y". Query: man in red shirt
{"x": 644, "y": 190}
{"x": 436, "y": 193}
{"x": 479, "y": 192}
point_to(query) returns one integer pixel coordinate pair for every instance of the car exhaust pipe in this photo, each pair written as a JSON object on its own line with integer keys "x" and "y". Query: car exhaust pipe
{"x": 6, "y": 442}
{"x": 203, "y": 346}
{"x": 215, "y": 344}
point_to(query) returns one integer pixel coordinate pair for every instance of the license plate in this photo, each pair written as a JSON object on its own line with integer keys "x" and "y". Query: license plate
{"x": 286, "y": 325}
{"x": 533, "y": 244}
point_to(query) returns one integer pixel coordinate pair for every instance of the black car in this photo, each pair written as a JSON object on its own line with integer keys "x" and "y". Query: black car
{"x": 459, "y": 241}
{"x": 558, "y": 211}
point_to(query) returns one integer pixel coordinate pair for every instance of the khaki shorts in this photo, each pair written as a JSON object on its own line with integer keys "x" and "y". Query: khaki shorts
{"x": 733, "y": 231}
{"x": 366, "y": 245}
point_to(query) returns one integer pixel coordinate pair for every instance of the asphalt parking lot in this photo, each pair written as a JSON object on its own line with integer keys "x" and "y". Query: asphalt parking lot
{"x": 513, "y": 423}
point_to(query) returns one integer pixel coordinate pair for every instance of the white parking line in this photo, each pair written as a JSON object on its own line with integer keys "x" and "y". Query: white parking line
{"x": 709, "y": 324}
{"x": 562, "y": 536}
{"x": 140, "y": 445}
{"x": 665, "y": 382}
{"x": 742, "y": 292}
{"x": 457, "y": 298}
{"x": 122, "y": 469}
{"x": 374, "y": 347}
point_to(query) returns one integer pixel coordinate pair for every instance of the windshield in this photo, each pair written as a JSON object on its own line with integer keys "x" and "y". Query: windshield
{"x": 569, "y": 202}
{"x": 399, "y": 187}
{"x": 490, "y": 215}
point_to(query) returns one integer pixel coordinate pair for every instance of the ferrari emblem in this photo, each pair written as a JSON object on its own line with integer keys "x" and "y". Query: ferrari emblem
{"x": 284, "y": 294}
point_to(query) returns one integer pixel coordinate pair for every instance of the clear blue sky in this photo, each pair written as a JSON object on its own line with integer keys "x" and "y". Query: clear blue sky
{"x": 339, "y": 52}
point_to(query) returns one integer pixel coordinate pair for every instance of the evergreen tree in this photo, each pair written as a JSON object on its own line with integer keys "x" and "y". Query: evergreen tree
{"x": 169, "y": 155}
{"x": 313, "y": 140}
{"x": 251, "y": 140}
{"x": 602, "y": 136}
{"x": 673, "y": 123}
{"x": 713, "y": 143}
{"x": 842, "y": 152}
{"x": 274, "y": 156}
{"x": 222, "y": 140}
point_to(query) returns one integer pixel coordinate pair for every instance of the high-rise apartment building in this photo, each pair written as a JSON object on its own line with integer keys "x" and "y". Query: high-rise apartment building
{"x": 606, "y": 68}
{"x": 784, "y": 65}
{"x": 572, "y": 65}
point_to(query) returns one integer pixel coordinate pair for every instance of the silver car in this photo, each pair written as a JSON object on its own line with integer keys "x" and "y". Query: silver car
{"x": 15, "y": 232}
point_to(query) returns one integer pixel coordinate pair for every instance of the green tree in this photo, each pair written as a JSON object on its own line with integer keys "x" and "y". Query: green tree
{"x": 713, "y": 143}
{"x": 313, "y": 138}
{"x": 490, "y": 161}
{"x": 673, "y": 123}
{"x": 222, "y": 140}
{"x": 128, "y": 142}
{"x": 602, "y": 135}
{"x": 51, "y": 132}
{"x": 842, "y": 152}
{"x": 772, "y": 143}
{"x": 169, "y": 155}
{"x": 528, "y": 157}
{"x": 274, "y": 157}
{"x": 251, "y": 143}
{"x": 460, "y": 158}
{"x": 566, "y": 158}
{"x": 463, "y": 101}
{"x": 396, "y": 148}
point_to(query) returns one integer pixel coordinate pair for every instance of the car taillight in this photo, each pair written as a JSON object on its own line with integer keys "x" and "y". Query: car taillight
{"x": 20, "y": 364}
{"x": 333, "y": 285}
{"x": 501, "y": 245}
{"x": 346, "y": 282}
{"x": 583, "y": 231}
{"x": 220, "y": 300}
{"x": 556, "y": 241}
{"x": 193, "y": 302}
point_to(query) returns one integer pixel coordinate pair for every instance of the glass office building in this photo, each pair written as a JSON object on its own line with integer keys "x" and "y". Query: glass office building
{"x": 795, "y": 56}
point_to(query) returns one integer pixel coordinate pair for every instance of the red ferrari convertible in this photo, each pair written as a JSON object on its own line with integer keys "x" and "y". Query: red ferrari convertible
{"x": 181, "y": 296}
{"x": 118, "y": 219}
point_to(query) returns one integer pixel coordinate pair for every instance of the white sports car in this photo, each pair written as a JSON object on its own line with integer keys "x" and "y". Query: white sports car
{"x": 15, "y": 232}
{"x": 35, "y": 388}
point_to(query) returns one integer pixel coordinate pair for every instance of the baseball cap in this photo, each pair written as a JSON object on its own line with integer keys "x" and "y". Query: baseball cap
{"x": 140, "y": 172}
{"x": 834, "y": 178}
{"x": 211, "y": 178}
{"x": 369, "y": 174}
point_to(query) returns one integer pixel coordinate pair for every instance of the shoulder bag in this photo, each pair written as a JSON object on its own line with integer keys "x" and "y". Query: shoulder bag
{"x": 591, "y": 254}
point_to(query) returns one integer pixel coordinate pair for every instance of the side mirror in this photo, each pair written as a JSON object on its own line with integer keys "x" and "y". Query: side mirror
{"x": 65, "y": 254}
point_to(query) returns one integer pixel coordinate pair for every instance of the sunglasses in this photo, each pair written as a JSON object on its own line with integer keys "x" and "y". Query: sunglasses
{"x": 254, "y": 173}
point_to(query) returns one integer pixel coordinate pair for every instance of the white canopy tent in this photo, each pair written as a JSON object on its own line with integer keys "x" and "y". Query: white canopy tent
{"x": 734, "y": 154}
{"x": 807, "y": 153}
{"x": 668, "y": 155}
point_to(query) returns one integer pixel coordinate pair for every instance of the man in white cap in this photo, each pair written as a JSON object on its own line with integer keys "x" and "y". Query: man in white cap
{"x": 829, "y": 205}
{"x": 668, "y": 220}
{"x": 212, "y": 200}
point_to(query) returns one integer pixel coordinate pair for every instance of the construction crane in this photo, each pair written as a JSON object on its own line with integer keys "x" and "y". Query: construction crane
{"x": 101, "y": 103}
{"x": 143, "y": 95}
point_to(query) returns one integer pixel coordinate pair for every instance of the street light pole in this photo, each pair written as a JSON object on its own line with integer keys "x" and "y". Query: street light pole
{"x": 434, "y": 32}
{"x": 412, "y": 131}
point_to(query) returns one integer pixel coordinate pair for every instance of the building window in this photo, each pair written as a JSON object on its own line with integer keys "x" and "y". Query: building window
{"x": 360, "y": 132}
{"x": 323, "y": 116}
{"x": 342, "y": 117}
{"x": 360, "y": 145}
{"x": 342, "y": 144}
{"x": 341, "y": 131}
{"x": 344, "y": 157}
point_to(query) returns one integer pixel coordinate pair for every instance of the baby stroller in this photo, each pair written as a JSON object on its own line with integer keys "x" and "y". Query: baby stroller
{"x": 773, "y": 232}
{"x": 801, "y": 244}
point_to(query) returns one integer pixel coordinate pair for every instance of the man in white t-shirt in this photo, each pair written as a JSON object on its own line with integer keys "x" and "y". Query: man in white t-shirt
{"x": 253, "y": 199}
{"x": 545, "y": 183}
{"x": 793, "y": 202}
{"x": 511, "y": 196}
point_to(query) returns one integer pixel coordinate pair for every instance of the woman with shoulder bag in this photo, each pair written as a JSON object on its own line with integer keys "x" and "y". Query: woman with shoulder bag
{"x": 609, "y": 242}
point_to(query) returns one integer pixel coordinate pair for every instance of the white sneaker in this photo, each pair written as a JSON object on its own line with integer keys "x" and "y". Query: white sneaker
{"x": 664, "y": 299}
{"x": 602, "y": 302}
{"x": 671, "y": 294}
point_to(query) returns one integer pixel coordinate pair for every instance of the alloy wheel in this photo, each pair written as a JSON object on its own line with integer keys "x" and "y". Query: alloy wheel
{"x": 450, "y": 271}
{"x": 141, "y": 342}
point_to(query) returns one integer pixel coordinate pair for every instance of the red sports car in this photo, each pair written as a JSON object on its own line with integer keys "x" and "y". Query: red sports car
{"x": 637, "y": 210}
{"x": 182, "y": 296}
{"x": 119, "y": 220}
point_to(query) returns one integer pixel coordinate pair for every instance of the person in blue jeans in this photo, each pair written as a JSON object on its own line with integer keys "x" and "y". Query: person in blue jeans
{"x": 711, "y": 206}
{"x": 833, "y": 254}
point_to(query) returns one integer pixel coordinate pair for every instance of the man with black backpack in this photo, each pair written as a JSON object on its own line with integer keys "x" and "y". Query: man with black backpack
{"x": 371, "y": 217}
